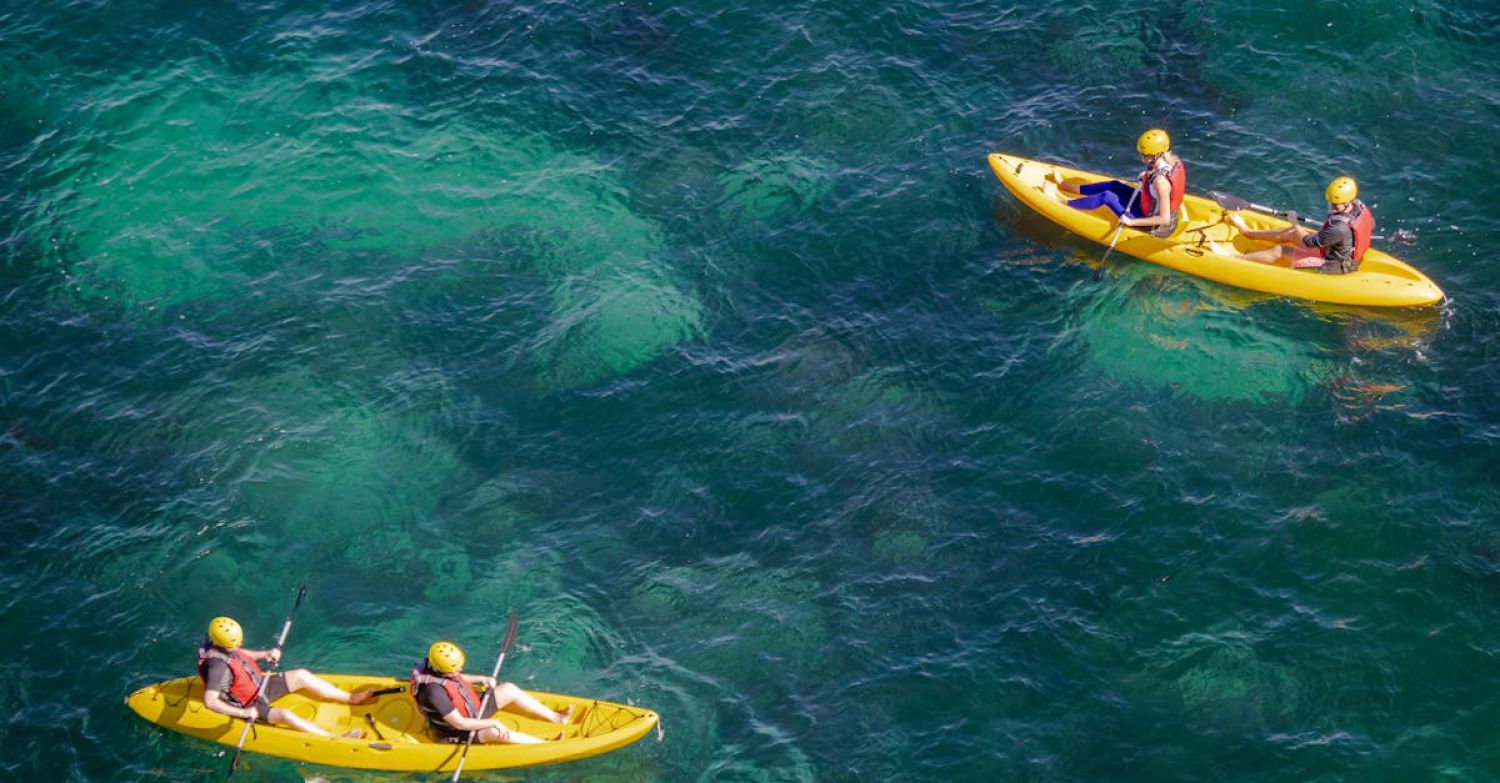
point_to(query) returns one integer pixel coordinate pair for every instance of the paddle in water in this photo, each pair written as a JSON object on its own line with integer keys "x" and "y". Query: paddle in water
{"x": 1099, "y": 270}
{"x": 280, "y": 642}
{"x": 510, "y": 639}
{"x": 1398, "y": 237}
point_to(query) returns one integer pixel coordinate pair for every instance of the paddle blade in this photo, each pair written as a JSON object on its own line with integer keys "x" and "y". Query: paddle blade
{"x": 1402, "y": 236}
{"x": 510, "y": 633}
{"x": 1099, "y": 273}
{"x": 301, "y": 596}
{"x": 1227, "y": 201}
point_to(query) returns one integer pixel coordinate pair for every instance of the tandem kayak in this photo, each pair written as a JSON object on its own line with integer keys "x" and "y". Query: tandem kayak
{"x": 1207, "y": 247}
{"x": 396, "y": 735}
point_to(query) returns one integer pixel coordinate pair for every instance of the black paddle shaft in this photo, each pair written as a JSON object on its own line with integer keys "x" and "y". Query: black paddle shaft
{"x": 286, "y": 628}
{"x": 1400, "y": 236}
{"x": 510, "y": 639}
{"x": 1099, "y": 270}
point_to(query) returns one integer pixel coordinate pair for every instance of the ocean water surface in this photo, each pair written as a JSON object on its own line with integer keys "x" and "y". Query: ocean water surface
{"x": 701, "y": 335}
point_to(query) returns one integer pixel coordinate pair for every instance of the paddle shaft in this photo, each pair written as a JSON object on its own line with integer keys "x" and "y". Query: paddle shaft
{"x": 1099, "y": 272}
{"x": 286, "y": 628}
{"x": 510, "y": 639}
{"x": 1232, "y": 202}
{"x": 1399, "y": 236}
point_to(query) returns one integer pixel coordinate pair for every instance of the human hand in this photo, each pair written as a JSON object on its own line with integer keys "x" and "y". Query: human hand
{"x": 274, "y": 656}
{"x": 1292, "y": 217}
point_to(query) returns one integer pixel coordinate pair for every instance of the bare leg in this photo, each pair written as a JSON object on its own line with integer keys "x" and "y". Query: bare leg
{"x": 511, "y": 737}
{"x": 288, "y": 718}
{"x": 507, "y": 693}
{"x": 303, "y": 680}
{"x": 1268, "y": 256}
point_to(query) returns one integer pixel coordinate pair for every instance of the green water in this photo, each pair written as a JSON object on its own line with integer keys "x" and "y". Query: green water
{"x": 702, "y": 336}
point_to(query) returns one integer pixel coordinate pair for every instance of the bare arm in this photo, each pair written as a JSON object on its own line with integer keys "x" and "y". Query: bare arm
{"x": 461, "y": 723}
{"x": 1161, "y": 192}
{"x": 273, "y": 655}
{"x": 479, "y": 679}
{"x": 215, "y": 701}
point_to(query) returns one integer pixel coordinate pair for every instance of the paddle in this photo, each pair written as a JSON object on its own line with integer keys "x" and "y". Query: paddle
{"x": 1398, "y": 237}
{"x": 1099, "y": 270}
{"x": 510, "y": 639}
{"x": 280, "y": 642}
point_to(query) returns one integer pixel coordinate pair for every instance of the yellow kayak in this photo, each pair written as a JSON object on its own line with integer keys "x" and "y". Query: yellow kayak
{"x": 399, "y": 738}
{"x": 1206, "y": 246}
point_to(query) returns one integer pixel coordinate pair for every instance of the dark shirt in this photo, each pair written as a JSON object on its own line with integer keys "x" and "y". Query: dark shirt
{"x": 434, "y": 701}
{"x": 1337, "y": 242}
{"x": 217, "y": 676}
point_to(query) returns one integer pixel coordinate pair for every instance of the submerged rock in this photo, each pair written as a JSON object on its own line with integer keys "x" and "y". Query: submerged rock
{"x": 773, "y": 189}
{"x": 612, "y": 320}
{"x": 268, "y": 193}
{"x": 1166, "y": 332}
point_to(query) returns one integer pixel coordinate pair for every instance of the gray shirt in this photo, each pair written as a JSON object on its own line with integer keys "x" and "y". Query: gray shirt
{"x": 1337, "y": 242}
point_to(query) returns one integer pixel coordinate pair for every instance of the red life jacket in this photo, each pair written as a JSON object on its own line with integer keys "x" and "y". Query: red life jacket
{"x": 245, "y": 676}
{"x": 1361, "y": 223}
{"x": 465, "y": 699}
{"x": 1175, "y": 174}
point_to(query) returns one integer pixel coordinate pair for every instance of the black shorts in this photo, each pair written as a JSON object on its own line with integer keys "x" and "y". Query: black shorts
{"x": 273, "y": 689}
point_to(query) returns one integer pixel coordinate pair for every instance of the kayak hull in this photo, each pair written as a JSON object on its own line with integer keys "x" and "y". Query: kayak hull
{"x": 1207, "y": 247}
{"x": 404, "y": 742}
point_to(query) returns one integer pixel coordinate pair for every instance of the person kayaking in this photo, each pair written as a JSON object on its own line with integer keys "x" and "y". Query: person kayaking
{"x": 448, "y": 699}
{"x": 1158, "y": 197}
{"x": 1335, "y": 249}
{"x": 234, "y": 685}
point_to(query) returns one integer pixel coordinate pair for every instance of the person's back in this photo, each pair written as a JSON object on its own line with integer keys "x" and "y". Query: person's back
{"x": 1344, "y": 238}
{"x": 447, "y": 698}
{"x": 1153, "y": 203}
{"x": 438, "y": 694}
{"x": 234, "y": 684}
{"x": 1337, "y": 248}
{"x": 1170, "y": 168}
{"x": 230, "y": 673}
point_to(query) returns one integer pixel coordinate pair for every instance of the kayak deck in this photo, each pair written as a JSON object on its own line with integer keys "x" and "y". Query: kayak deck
{"x": 404, "y": 741}
{"x": 1205, "y": 246}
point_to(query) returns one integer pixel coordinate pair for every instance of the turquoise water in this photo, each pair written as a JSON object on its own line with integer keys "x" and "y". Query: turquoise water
{"x": 702, "y": 336}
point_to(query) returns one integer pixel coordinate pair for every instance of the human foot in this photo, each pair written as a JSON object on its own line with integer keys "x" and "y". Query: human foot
{"x": 564, "y": 716}
{"x": 361, "y": 696}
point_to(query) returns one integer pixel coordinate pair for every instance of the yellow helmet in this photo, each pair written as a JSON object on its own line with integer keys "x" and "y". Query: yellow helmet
{"x": 1153, "y": 142}
{"x": 445, "y": 657}
{"x": 1341, "y": 190}
{"x": 225, "y": 632}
